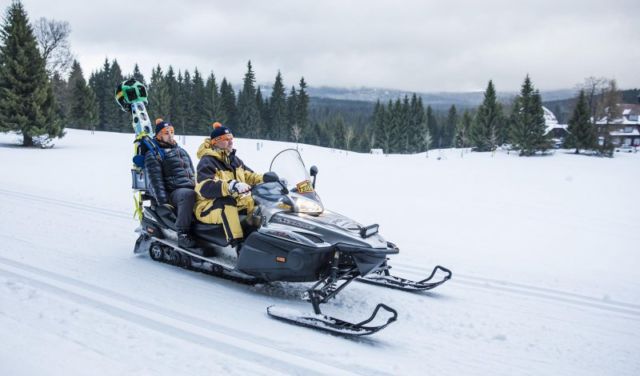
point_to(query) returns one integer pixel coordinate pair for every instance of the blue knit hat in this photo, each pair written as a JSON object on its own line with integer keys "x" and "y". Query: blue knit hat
{"x": 161, "y": 124}
{"x": 218, "y": 131}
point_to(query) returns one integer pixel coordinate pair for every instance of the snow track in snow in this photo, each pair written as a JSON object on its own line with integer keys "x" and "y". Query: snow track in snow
{"x": 227, "y": 341}
{"x": 627, "y": 309}
{"x": 524, "y": 290}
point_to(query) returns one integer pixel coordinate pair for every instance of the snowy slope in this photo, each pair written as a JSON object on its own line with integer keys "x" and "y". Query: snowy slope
{"x": 544, "y": 253}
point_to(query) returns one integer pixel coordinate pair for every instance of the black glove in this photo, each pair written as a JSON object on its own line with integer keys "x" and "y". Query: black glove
{"x": 270, "y": 177}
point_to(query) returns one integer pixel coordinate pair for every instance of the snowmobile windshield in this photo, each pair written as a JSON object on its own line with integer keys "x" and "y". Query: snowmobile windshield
{"x": 290, "y": 168}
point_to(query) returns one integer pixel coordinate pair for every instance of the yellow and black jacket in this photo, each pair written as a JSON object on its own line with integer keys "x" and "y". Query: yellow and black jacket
{"x": 215, "y": 170}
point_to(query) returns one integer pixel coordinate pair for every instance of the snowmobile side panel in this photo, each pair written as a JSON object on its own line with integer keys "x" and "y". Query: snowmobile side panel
{"x": 274, "y": 259}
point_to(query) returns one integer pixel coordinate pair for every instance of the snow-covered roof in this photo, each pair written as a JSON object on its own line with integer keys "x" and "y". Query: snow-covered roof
{"x": 634, "y": 132}
{"x": 630, "y": 115}
{"x": 549, "y": 117}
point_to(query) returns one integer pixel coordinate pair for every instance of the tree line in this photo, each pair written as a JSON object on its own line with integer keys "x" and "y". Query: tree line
{"x": 37, "y": 101}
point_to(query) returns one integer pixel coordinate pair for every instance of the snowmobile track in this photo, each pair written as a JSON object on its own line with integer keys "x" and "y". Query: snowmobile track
{"x": 537, "y": 292}
{"x": 472, "y": 281}
{"x": 240, "y": 345}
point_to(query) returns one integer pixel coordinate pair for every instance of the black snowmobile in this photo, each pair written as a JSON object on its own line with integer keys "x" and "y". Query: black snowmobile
{"x": 289, "y": 237}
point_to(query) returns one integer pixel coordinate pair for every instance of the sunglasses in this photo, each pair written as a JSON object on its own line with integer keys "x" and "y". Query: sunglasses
{"x": 224, "y": 137}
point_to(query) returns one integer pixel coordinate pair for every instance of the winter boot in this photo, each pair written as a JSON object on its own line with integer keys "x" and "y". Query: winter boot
{"x": 185, "y": 240}
{"x": 237, "y": 244}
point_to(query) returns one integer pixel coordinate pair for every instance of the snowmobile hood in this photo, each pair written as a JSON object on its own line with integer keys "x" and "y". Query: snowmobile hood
{"x": 206, "y": 149}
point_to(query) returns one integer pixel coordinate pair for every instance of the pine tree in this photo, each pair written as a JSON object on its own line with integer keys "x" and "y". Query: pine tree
{"x": 159, "y": 97}
{"x": 450, "y": 127}
{"x": 380, "y": 139}
{"x": 228, "y": 101}
{"x": 82, "y": 105}
{"x": 302, "y": 118}
{"x": 248, "y": 114}
{"x": 528, "y": 129}
{"x": 581, "y": 133}
{"x": 137, "y": 75}
{"x": 277, "y": 125}
{"x": 462, "y": 130}
{"x": 213, "y": 101}
{"x": 27, "y": 104}
{"x": 263, "y": 109}
{"x": 201, "y": 119}
{"x": 60, "y": 93}
{"x": 292, "y": 114}
{"x": 118, "y": 120}
{"x": 179, "y": 100}
{"x": 339, "y": 134}
{"x": 485, "y": 128}
{"x": 432, "y": 124}
{"x": 173, "y": 90}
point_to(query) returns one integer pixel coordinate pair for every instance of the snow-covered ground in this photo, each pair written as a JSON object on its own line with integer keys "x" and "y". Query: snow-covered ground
{"x": 544, "y": 251}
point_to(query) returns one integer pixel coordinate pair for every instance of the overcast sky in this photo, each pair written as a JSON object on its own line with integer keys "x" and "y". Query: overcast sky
{"x": 410, "y": 45}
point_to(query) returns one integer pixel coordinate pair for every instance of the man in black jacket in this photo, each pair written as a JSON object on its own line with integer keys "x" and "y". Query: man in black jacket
{"x": 172, "y": 179}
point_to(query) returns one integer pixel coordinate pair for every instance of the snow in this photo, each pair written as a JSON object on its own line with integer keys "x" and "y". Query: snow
{"x": 544, "y": 254}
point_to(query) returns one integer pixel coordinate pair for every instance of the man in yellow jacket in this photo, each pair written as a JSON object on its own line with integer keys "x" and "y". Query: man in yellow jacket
{"x": 223, "y": 184}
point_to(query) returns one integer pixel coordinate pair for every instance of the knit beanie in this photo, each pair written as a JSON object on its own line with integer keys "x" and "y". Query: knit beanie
{"x": 161, "y": 124}
{"x": 218, "y": 131}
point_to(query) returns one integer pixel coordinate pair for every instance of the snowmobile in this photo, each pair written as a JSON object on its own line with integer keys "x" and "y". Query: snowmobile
{"x": 289, "y": 237}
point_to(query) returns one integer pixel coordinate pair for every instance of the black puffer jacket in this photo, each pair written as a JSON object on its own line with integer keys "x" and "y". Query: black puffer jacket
{"x": 173, "y": 171}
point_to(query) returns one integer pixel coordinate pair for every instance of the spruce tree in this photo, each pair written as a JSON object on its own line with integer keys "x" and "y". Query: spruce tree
{"x": 450, "y": 127}
{"x": 528, "y": 129}
{"x": 118, "y": 120}
{"x": 179, "y": 100}
{"x": 228, "y": 101}
{"x": 213, "y": 101}
{"x": 248, "y": 114}
{"x": 302, "y": 118}
{"x": 292, "y": 115}
{"x": 82, "y": 105}
{"x": 171, "y": 83}
{"x": 485, "y": 128}
{"x": 462, "y": 130}
{"x": 60, "y": 93}
{"x": 159, "y": 97}
{"x": 581, "y": 133}
{"x": 277, "y": 125}
{"x": 432, "y": 125}
{"x": 27, "y": 104}
{"x": 201, "y": 119}
{"x": 137, "y": 75}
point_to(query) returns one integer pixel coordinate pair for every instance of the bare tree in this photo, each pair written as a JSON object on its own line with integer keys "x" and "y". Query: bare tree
{"x": 427, "y": 140}
{"x": 593, "y": 88}
{"x": 296, "y": 132}
{"x": 348, "y": 137}
{"x": 53, "y": 41}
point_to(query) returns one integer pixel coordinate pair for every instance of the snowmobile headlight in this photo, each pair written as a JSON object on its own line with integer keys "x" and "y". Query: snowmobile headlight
{"x": 365, "y": 232}
{"x": 304, "y": 205}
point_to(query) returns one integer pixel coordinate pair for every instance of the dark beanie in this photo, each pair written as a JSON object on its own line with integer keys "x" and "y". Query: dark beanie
{"x": 219, "y": 130}
{"x": 161, "y": 124}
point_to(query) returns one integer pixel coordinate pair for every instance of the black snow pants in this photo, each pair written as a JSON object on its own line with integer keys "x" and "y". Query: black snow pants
{"x": 183, "y": 199}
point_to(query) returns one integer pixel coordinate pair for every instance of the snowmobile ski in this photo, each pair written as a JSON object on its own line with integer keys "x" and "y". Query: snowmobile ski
{"x": 331, "y": 324}
{"x": 382, "y": 277}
